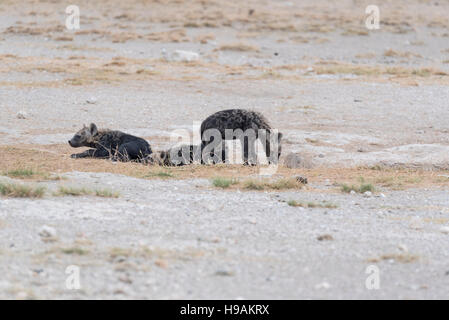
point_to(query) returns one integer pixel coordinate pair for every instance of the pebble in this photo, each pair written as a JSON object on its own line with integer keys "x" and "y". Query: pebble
{"x": 444, "y": 229}
{"x": 293, "y": 160}
{"x": 367, "y": 194}
{"x": 22, "y": 115}
{"x": 325, "y": 237}
{"x": 47, "y": 232}
{"x": 323, "y": 285}
{"x": 184, "y": 56}
{"x": 224, "y": 273}
{"x": 92, "y": 100}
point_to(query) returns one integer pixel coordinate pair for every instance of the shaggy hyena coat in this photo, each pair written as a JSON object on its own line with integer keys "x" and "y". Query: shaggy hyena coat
{"x": 180, "y": 156}
{"x": 176, "y": 156}
{"x": 115, "y": 145}
{"x": 245, "y": 125}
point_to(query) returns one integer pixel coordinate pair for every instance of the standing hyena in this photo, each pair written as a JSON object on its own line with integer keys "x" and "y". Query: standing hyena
{"x": 247, "y": 126}
{"x": 115, "y": 145}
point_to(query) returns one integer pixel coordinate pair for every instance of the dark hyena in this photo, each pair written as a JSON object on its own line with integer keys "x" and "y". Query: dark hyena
{"x": 109, "y": 144}
{"x": 179, "y": 156}
{"x": 247, "y": 126}
{"x": 176, "y": 156}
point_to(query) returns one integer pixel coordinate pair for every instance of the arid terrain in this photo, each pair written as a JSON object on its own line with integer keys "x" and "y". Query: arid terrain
{"x": 364, "y": 114}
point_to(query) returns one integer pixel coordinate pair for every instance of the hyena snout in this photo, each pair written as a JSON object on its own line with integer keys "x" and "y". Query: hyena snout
{"x": 77, "y": 141}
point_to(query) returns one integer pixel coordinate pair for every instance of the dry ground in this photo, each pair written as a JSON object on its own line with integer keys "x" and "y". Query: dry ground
{"x": 363, "y": 109}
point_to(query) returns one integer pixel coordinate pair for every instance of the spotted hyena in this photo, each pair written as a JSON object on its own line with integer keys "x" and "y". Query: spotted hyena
{"x": 245, "y": 125}
{"x": 176, "y": 156}
{"x": 179, "y": 156}
{"x": 115, "y": 145}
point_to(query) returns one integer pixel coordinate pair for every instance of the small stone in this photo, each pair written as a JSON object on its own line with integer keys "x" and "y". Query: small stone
{"x": 47, "y": 232}
{"x": 323, "y": 285}
{"x": 22, "y": 115}
{"x": 444, "y": 229}
{"x": 92, "y": 100}
{"x": 325, "y": 237}
{"x": 161, "y": 263}
{"x": 403, "y": 247}
{"x": 125, "y": 278}
{"x": 224, "y": 273}
{"x": 184, "y": 56}
{"x": 301, "y": 179}
{"x": 352, "y": 192}
{"x": 367, "y": 194}
{"x": 293, "y": 160}
{"x": 22, "y": 295}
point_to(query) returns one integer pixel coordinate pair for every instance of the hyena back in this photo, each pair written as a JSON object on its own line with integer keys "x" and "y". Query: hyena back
{"x": 245, "y": 125}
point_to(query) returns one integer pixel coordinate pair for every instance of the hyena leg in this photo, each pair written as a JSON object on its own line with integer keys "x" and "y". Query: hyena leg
{"x": 249, "y": 151}
{"x": 86, "y": 154}
{"x": 92, "y": 153}
{"x": 131, "y": 151}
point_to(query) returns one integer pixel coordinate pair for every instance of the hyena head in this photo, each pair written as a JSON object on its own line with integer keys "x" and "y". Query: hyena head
{"x": 160, "y": 158}
{"x": 84, "y": 137}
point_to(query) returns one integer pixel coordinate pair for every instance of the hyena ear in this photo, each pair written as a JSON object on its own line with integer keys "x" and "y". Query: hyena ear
{"x": 93, "y": 129}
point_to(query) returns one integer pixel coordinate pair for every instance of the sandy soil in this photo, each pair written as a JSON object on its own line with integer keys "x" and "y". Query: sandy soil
{"x": 354, "y": 104}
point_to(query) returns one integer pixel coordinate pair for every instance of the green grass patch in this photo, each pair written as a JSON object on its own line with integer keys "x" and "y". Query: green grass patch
{"x": 326, "y": 205}
{"x": 224, "y": 182}
{"x": 72, "y": 191}
{"x": 75, "y": 251}
{"x": 76, "y": 192}
{"x": 281, "y": 184}
{"x": 16, "y": 190}
{"x": 160, "y": 174}
{"x": 360, "y": 188}
{"x": 20, "y": 173}
{"x": 106, "y": 193}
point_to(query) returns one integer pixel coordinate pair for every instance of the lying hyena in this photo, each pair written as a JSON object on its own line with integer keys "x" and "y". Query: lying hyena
{"x": 247, "y": 126}
{"x": 179, "y": 156}
{"x": 176, "y": 156}
{"x": 115, "y": 145}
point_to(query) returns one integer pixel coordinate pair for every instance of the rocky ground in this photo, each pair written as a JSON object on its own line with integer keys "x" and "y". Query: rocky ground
{"x": 360, "y": 109}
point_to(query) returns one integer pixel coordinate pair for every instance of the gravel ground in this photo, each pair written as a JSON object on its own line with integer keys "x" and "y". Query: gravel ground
{"x": 344, "y": 97}
{"x": 161, "y": 240}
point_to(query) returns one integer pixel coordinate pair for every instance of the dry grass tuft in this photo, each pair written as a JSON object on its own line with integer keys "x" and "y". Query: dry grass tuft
{"x": 223, "y": 182}
{"x": 240, "y": 47}
{"x": 16, "y": 190}
{"x": 76, "y": 192}
{"x": 280, "y": 184}
{"x": 396, "y": 257}
{"x": 326, "y": 205}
